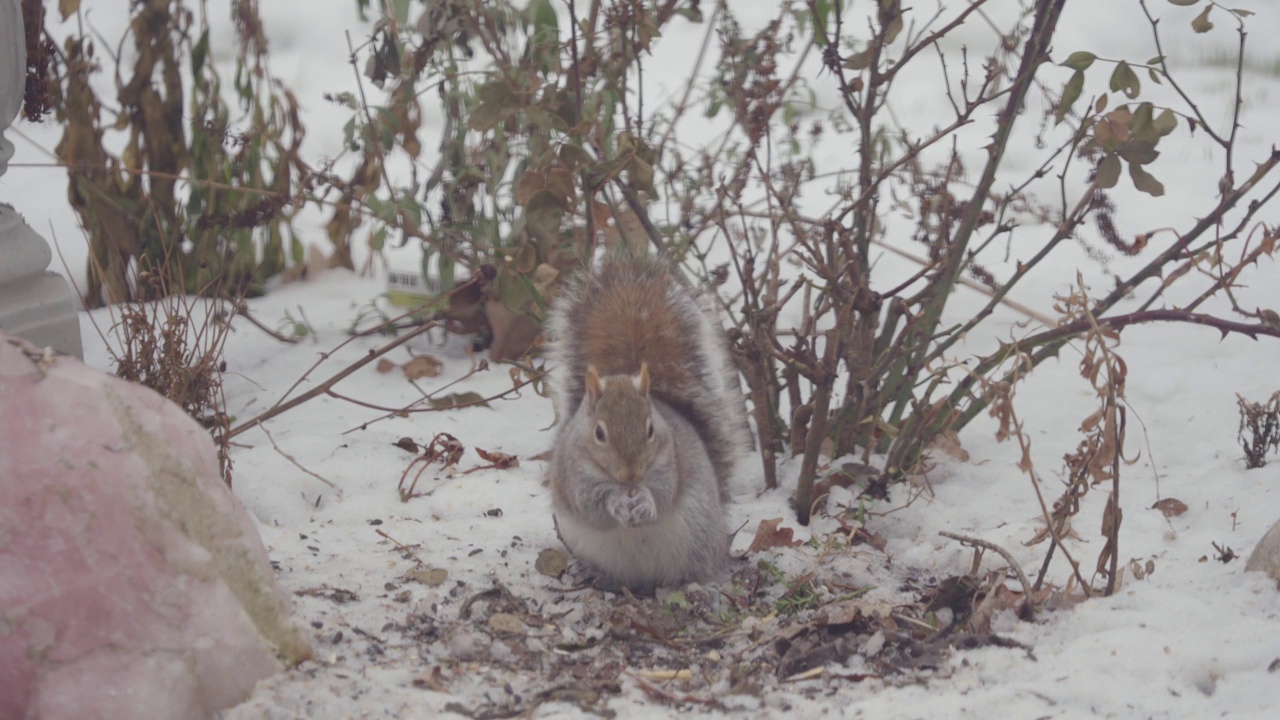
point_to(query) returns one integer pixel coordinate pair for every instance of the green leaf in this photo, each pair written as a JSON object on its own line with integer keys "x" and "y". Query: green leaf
{"x": 1079, "y": 60}
{"x": 199, "y": 54}
{"x": 546, "y": 26}
{"x": 1184, "y": 3}
{"x": 1144, "y": 181}
{"x": 574, "y": 156}
{"x": 402, "y": 11}
{"x": 1201, "y": 24}
{"x": 1165, "y": 123}
{"x": 1138, "y": 152}
{"x": 1070, "y": 94}
{"x": 1108, "y": 172}
{"x": 1124, "y": 79}
{"x": 485, "y": 117}
{"x": 858, "y": 61}
{"x": 542, "y": 216}
{"x": 641, "y": 174}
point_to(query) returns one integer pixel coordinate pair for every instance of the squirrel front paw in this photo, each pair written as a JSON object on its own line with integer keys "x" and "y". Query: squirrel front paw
{"x": 632, "y": 507}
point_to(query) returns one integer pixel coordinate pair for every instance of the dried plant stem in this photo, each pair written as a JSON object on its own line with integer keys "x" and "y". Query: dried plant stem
{"x": 324, "y": 387}
{"x": 1008, "y": 558}
{"x": 295, "y": 462}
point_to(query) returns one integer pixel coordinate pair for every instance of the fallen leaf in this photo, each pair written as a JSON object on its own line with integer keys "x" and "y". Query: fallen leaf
{"x": 407, "y": 444}
{"x": 432, "y": 679}
{"x": 501, "y": 461}
{"x": 769, "y": 536}
{"x": 422, "y": 366}
{"x": 506, "y": 623}
{"x": 1171, "y": 507}
{"x": 385, "y": 366}
{"x": 551, "y": 562}
{"x": 948, "y": 443}
{"x": 466, "y": 399}
{"x": 431, "y": 577}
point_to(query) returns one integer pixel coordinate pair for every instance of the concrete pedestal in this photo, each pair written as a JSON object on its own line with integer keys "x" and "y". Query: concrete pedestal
{"x": 34, "y": 304}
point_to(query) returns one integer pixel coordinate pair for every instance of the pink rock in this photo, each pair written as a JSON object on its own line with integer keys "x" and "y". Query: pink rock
{"x": 132, "y": 582}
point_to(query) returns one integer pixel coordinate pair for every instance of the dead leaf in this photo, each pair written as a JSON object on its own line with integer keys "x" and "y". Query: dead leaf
{"x": 407, "y": 444}
{"x": 431, "y": 577}
{"x": 513, "y": 333}
{"x": 501, "y": 461}
{"x": 422, "y": 366}
{"x": 506, "y": 623}
{"x": 432, "y": 679}
{"x": 466, "y": 399}
{"x": 385, "y": 366}
{"x": 1171, "y": 507}
{"x": 67, "y": 8}
{"x": 948, "y": 443}
{"x": 769, "y": 536}
{"x": 551, "y": 562}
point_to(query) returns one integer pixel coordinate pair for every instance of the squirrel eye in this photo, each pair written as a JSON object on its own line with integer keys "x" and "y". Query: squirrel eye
{"x": 600, "y": 432}
{"x": 650, "y": 429}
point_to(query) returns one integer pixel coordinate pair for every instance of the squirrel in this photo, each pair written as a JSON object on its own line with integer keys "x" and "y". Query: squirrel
{"x": 653, "y": 423}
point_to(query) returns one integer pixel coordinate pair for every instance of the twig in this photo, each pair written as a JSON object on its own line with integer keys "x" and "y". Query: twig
{"x": 403, "y": 548}
{"x": 324, "y": 387}
{"x": 1022, "y": 577}
{"x": 413, "y": 407}
{"x": 243, "y": 312}
{"x": 295, "y": 462}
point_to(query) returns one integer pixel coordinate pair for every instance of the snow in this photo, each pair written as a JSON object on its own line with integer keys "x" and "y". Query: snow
{"x": 1195, "y": 638}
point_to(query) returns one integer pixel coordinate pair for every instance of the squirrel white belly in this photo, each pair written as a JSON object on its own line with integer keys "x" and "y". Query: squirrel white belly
{"x": 652, "y": 426}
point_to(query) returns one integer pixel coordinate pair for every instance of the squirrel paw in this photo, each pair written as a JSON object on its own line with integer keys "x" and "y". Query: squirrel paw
{"x": 633, "y": 507}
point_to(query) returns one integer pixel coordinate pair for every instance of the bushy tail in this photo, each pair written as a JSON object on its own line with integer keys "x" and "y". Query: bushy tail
{"x": 630, "y": 310}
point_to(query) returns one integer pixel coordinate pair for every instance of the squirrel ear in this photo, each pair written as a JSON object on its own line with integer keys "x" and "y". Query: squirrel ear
{"x": 641, "y": 379}
{"x": 594, "y": 391}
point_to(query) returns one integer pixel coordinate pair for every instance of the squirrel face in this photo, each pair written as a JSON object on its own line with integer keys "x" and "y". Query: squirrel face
{"x": 624, "y": 439}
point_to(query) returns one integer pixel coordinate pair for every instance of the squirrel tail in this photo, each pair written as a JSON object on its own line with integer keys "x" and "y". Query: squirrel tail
{"x": 631, "y": 309}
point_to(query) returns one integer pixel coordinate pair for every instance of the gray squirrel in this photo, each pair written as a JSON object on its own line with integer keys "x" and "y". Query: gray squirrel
{"x": 652, "y": 423}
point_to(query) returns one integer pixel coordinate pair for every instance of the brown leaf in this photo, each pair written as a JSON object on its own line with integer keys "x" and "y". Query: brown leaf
{"x": 466, "y": 399}
{"x": 501, "y": 461}
{"x": 1202, "y": 24}
{"x": 431, "y": 577}
{"x": 67, "y": 8}
{"x": 948, "y": 443}
{"x": 551, "y": 562}
{"x": 422, "y": 366}
{"x": 432, "y": 679}
{"x": 385, "y": 366}
{"x": 506, "y": 623}
{"x": 1171, "y": 507}
{"x": 407, "y": 443}
{"x": 769, "y": 536}
{"x": 513, "y": 333}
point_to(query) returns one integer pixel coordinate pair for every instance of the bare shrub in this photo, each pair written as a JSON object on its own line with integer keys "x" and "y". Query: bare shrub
{"x": 1259, "y": 432}
{"x": 174, "y": 345}
{"x": 551, "y": 148}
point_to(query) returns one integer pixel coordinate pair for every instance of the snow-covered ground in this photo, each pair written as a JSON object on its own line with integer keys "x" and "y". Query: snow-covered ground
{"x": 474, "y": 627}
